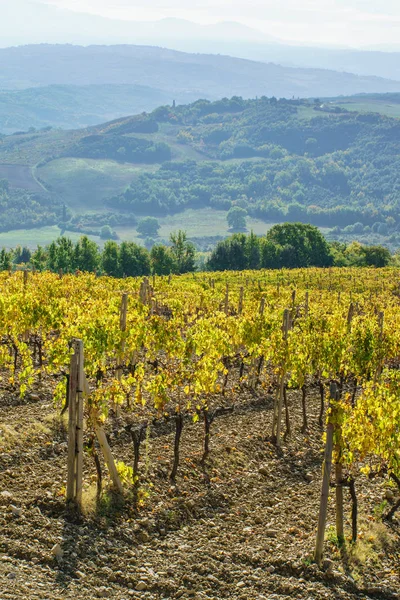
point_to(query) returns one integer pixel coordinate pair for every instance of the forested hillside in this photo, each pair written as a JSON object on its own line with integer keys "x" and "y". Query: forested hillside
{"x": 20, "y": 208}
{"x": 278, "y": 160}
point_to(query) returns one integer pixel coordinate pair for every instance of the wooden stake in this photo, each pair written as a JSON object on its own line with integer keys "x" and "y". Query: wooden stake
{"x": 323, "y": 508}
{"x": 72, "y": 419}
{"x": 306, "y": 305}
{"x": 350, "y": 315}
{"x": 79, "y": 422}
{"x": 122, "y": 326}
{"x": 379, "y": 367}
{"x": 75, "y": 424}
{"x": 240, "y": 307}
{"x": 227, "y": 299}
{"x": 108, "y": 457}
{"x": 262, "y": 306}
{"x": 279, "y": 399}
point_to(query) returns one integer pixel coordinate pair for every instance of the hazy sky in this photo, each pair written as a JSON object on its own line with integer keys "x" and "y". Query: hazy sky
{"x": 340, "y": 22}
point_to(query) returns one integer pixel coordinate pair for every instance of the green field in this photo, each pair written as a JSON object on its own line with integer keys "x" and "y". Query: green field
{"x": 379, "y": 106}
{"x": 205, "y": 222}
{"x": 34, "y": 237}
{"x": 84, "y": 183}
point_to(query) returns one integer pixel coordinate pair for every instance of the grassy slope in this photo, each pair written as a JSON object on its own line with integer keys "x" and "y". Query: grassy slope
{"x": 385, "y": 104}
{"x": 84, "y": 183}
{"x": 72, "y": 107}
{"x": 388, "y": 109}
{"x": 34, "y": 237}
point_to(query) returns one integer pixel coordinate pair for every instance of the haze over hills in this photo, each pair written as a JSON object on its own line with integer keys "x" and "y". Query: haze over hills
{"x": 383, "y": 62}
{"x": 43, "y": 23}
{"x": 158, "y": 76}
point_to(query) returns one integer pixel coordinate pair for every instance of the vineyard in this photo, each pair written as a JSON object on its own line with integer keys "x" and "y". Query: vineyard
{"x": 175, "y": 402}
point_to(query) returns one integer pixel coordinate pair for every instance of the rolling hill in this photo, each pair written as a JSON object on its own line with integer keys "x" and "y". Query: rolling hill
{"x": 75, "y": 107}
{"x": 179, "y": 74}
{"x": 280, "y": 160}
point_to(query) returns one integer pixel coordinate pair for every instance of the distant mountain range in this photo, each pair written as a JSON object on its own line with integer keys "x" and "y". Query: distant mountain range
{"x": 34, "y": 22}
{"x": 181, "y": 76}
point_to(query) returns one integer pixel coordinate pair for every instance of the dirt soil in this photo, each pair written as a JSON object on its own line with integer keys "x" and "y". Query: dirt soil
{"x": 245, "y": 528}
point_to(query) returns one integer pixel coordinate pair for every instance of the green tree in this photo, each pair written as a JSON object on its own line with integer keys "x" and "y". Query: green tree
{"x": 60, "y": 255}
{"x": 110, "y": 261}
{"x": 5, "y": 260}
{"x": 162, "y": 261}
{"x": 183, "y": 252}
{"x": 230, "y": 254}
{"x": 236, "y": 218}
{"x": 21, "y": 255}
{"x": 4, "y": 187}
{"x": 253, "y": 251}
{"x": 86, "y": 255}
{"x": 106, "y": 233}
{"x": 220, "y": 258}
{"x": 148, "y": 227}
{"x": 376, "y": 256}
{"x": 302, "y": 245}
{"x": 25, "y": 255}
{"x": 134, "y": 260}
{"x": 39, "y": 258}
{"x": 269, "y": 254}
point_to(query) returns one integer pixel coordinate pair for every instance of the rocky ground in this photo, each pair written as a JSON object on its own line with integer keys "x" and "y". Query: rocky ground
{"x": 243, "y": 529}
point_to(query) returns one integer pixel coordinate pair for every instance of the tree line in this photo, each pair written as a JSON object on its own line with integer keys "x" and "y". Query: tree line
{"x": 117, "y": 260}
{"x": 290, "y": 245}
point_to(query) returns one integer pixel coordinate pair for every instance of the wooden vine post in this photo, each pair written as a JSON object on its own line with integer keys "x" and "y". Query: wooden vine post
{"x": 262, "y": 306}
{"x": 75, "y": 424}
{"x": 240, "y": 307}
{"x": 338, "y": 473}
{"x": 277, "y": 418}
{"x": 326, "y": 472}
{"x": 379, "y": 367}
{"x": 226, "y": 300}
{"x": 108, "y": 457}
{"x": 122, "y": 326}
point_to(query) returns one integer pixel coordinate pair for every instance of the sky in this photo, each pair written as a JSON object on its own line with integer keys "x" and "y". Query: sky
{"x": 328, "y": 22}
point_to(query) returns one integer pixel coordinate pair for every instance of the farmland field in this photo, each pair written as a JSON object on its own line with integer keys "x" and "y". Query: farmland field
{"x": 34, "y": 237}
{"x": 385, "y": 108}
{"x": 201, "y": 223}
{"x": 84, "y": 183}
{"x": 20, "y": 176}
